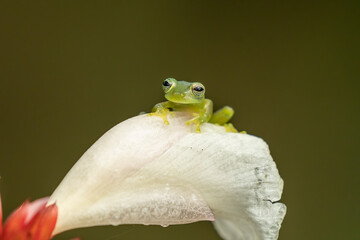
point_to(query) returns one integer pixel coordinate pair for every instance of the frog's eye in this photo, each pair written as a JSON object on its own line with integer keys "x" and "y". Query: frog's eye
{"x": 198, "y": 89}
{"x": 168, "y": 84}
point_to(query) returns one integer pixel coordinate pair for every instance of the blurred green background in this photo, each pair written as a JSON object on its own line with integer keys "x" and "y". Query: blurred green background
{"x": 70, "y": 70}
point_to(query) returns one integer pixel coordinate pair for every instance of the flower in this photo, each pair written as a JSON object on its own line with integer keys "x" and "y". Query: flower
{"x": 31, "y": 221}
{"x": 145, "y": 172}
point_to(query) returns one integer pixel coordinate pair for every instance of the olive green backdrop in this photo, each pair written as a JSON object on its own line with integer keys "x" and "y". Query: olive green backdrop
{"x": 70, "y": 70}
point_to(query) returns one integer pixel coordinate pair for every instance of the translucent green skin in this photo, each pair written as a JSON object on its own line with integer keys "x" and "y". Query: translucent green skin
{"x": 181, "y": 98}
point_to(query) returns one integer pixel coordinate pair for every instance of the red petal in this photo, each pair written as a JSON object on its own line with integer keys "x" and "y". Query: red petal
{"x": 44, "y": 223}
{"x": 31, "y": 221}
{"x": 1, "y": 230}
{"x": 34, "y": 210}
{"x": 14, "y": 227}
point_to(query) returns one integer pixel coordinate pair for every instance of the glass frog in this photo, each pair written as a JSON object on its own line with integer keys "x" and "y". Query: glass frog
{"x": 190, "y": 97}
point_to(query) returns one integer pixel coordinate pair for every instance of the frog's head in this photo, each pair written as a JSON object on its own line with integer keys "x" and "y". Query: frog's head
{"x": 183, "y": 92}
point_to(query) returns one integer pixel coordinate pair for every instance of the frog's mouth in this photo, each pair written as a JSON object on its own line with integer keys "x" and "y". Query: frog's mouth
{"x": 181, "y": 98}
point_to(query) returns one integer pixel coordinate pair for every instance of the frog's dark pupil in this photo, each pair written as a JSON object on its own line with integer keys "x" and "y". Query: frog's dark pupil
{"x": 198, "y": 89}
{"x": 166, "y": 84}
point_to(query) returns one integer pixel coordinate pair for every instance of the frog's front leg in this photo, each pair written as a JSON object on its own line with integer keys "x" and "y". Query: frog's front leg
{"x": 161, "y": 110}
{"x": 204, "y": 114}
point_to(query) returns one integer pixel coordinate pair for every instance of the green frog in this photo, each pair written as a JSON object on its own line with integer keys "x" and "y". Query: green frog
{"x": 190, "y": 97}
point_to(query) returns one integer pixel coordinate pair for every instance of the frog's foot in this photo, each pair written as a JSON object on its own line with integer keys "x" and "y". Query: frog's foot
{"x": 230, "y": 128}
{"x": 196, "y": 121}
{"x": 162, "y": 113}
{"x": 222, "y": 116}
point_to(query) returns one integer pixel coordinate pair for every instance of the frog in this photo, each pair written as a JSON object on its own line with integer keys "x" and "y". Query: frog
{"x": 190, "y": 97}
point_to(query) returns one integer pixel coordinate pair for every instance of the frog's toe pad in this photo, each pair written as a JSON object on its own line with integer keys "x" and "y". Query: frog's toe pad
{"x": 196, "y": 122}
{"x": 230, "y": 128}
{"x": 161, "y": 115}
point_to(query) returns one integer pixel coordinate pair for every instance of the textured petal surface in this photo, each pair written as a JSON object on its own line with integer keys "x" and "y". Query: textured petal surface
{"x": 142, "y": 171}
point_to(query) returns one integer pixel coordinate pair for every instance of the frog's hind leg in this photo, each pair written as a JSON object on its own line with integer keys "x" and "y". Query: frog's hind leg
{"x": 222, "y": 115}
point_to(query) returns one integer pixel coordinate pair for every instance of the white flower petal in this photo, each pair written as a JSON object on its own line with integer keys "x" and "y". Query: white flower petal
{"x": 142, "y": 171}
